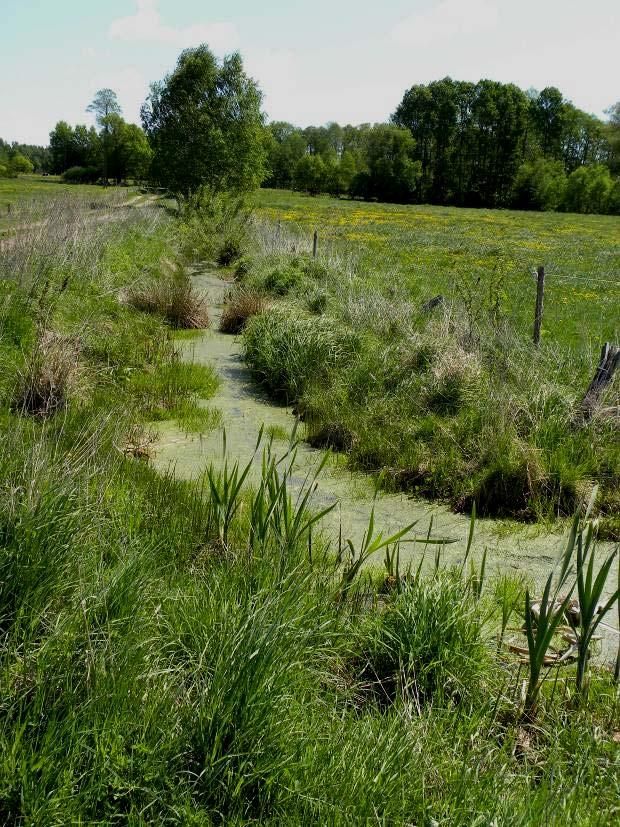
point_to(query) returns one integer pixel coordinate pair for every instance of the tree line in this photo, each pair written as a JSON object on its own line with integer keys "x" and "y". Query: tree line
{"x": 19, "y": 159}
{"x": 115, "y": 150}
{"x": 484, "y": 144}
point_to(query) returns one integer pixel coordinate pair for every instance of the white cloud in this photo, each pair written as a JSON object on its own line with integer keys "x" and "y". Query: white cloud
{"x": 146, "y": 25}
{"x": 447, "y": 20}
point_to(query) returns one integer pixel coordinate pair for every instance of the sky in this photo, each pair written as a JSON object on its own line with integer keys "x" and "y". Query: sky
{"x": 316, "y": 61}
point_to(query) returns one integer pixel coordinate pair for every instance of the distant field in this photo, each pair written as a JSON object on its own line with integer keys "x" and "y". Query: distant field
{"x": 431, "y": 250}
{"x": 26, "y": 195}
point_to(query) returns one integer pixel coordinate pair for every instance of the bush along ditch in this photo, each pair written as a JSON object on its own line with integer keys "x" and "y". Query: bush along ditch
{"x": 448, "y": 402}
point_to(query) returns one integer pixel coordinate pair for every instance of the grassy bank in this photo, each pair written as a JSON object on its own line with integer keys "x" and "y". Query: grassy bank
{"x": 196, "y": 654}
{"x": 449, "y": 400}
{"x": 466, "y": 253}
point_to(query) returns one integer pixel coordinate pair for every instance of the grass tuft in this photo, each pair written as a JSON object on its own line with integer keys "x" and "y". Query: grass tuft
{"x": 240, "y": 306}
{"x": 173, "y": 297}
{"x": 49, "y": 376}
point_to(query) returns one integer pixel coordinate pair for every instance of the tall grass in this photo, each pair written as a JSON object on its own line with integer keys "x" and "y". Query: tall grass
{"x": 454, "y": 403}
{"x": 148, "y": 675}
{"x": 172, "y": 296}
{"x": 159, "y": 680}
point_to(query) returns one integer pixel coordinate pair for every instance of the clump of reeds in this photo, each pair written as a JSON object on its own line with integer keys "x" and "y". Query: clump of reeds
{"x": 241, "y": 305}
{"x": 287, "y": 353}
{"x": 173, "y": 297}
{"x": 45, "y": 383}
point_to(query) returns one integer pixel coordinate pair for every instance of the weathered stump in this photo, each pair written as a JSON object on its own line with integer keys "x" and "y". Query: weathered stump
{"x": 609, "y": 361}
{"x": 431, "y": 304}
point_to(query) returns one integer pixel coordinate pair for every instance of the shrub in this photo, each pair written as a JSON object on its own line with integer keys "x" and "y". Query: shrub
{"x": 229, "y": 251}
{"x": 241, "y": 306}
{"x": 49, "y": 375}
{"x": 588, "y": 189}
{"x": 173, "y": 297}
{"x": 287, "y": 353}
{"x": 427, "y": 643}
{"x": 282, "y": 279}
{"x": 81, "y": 175}
{"x": 540, "y": 185}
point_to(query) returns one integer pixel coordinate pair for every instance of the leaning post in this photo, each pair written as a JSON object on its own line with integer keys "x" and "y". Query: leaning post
{"x": 608, "y": 363}
{"x": 540, "y": 294}
{"x": 315, "y": 244}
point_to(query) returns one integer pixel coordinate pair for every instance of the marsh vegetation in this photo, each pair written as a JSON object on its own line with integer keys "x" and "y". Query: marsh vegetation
{"x": 203, "y": 653}
{"x": 454, "y": 401}
{"x": 208, "y": 650}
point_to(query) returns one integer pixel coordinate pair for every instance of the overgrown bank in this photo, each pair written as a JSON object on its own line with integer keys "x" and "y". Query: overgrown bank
{"x": 449, "y": 401}
{"x": 195, "y": 655}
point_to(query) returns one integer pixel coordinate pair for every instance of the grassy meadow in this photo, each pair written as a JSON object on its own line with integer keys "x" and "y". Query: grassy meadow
{"x": 196, "y": 654}
{"x": 31, "y": 197}
{"x": 424, "y": 250}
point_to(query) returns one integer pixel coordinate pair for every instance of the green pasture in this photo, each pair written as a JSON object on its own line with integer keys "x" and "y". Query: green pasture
{"x": 428, "y": 250}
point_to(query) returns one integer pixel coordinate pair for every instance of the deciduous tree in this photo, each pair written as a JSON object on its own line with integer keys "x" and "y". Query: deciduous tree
{"x": 205, "y": 126}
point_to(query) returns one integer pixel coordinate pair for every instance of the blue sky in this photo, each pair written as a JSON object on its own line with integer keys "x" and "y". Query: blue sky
{"x": 317, "y": 60}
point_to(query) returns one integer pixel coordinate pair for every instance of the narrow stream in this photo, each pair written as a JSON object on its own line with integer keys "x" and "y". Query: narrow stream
{"x": 245, "y": 409}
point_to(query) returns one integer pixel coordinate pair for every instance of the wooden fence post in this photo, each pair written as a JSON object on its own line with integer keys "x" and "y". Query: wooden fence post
{"x": 609, "y": 361}
{"x": 540, "y": 294}
{"x": 315, "y": 244}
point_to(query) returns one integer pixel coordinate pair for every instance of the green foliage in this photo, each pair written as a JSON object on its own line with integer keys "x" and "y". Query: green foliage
{"x": 104, "y": 105}
{"x": 230, "y": 251}
{"x": 81, "y": 175}
{"x": 19, "y": 165}
{"x": 15, "y": 164}
{"x": 593, "y": 606}
{"x": 74, "y": 147}
{"x": 478, "y": 144}
{"x": 205, "y": 127}
{"x": 589, "y": 189}
{"x": 310, "y": 174}
{"x": 288, "y": 353}
{"x": 391, "y": 172}
{"x": 150, "y": 672}
{"x": 128, "y": 152}
{"x": 450, "y": 403}
{"x": 540, "y": 185}
{"x": 471, "y": 140}
{"x": 171, "y": 390}
{"x": 120, "y": 150}
{"x": 427, "y": 646}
